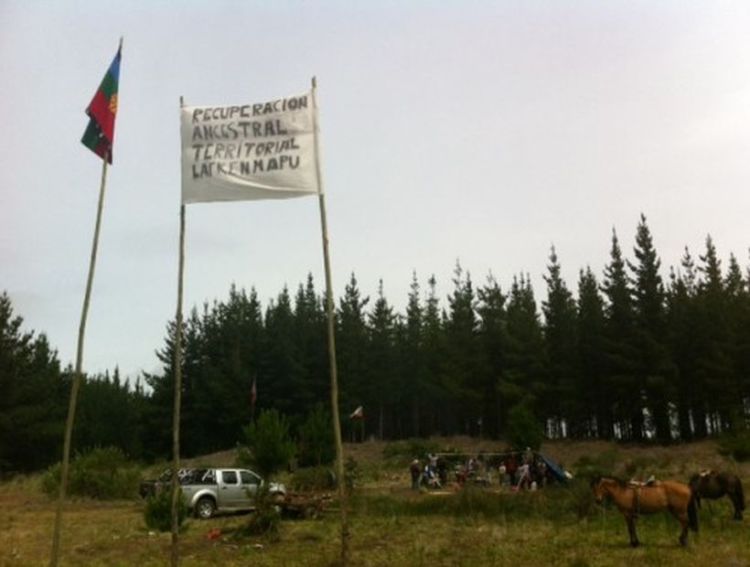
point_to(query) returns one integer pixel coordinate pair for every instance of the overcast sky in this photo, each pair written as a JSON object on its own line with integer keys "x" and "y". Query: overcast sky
{"x": 483, "y": 132}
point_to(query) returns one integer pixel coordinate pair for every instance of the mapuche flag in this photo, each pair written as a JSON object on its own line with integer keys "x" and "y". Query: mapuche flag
{"x": 100, "y": 133}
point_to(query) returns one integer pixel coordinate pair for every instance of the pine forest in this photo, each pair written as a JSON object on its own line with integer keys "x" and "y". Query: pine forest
{"x": 637, "y": 353}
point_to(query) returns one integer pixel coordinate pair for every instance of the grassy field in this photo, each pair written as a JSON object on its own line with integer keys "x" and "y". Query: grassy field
{"x": 391, "y": 525}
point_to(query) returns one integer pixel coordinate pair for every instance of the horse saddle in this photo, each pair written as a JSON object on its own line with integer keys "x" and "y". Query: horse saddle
{"x": 650, "y": 481}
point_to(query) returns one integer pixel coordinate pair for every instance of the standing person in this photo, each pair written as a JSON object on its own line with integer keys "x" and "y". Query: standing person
{"x": 524, "y": 477}
{"x": 416, "y": 472}
{"x": 442, "y": 470}
{"x": 471, "y": 466}
{"x": 528, "y": 456}
{"x": 511, "y": 467}
{"x": 501, "y": 473}
{"x": 433, "y": 461}
{"x": 541, "y": 470}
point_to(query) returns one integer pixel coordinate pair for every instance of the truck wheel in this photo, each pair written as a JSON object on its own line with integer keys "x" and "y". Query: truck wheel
{"x": 205, "y": 508}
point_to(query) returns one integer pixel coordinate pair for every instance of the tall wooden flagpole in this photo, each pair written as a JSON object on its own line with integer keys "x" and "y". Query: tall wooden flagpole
{"x": 331, "y": 345}
{"x": 78, "y": 373}
{"x": 176, "y": 490}
{"x": 77, "y": 376}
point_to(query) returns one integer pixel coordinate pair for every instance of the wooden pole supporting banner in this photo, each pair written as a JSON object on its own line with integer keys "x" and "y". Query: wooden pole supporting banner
{"x": 332, "y": 347}
{"x": 176, "y": 490}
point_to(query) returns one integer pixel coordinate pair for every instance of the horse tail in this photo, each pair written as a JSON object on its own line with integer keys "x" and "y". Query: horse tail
{"x": 693, "y": 512}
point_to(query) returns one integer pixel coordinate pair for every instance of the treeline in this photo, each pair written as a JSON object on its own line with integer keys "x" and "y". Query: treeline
{"x": 34, "y": 397}
{"x": 630, "y": 355}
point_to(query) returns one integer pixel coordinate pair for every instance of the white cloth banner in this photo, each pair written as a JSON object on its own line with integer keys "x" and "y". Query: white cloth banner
{"x": 248, "y": 152}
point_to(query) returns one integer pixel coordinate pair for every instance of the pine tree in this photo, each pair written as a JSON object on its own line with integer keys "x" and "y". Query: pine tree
{"x": 351, "y": 347}
{"x": 433, "y": 340}
{"x": 34, "y": 396}
{"x": 560, "y": 402}
{"x": 282, "y": 375}
{"x": 714, "y": 362}
{"x": 108, "y": 416}
{"x": 653, "y": 368}
{"x": 382, "y": 392}
{"x": 523, "y": 381}
{"x": 493, "y": 346}
{"x": 620, "y": 351}
{"x": 310, "y": 336}
{"x": 681, "y": 337}
{"x": 738, "y": 323}
{"x": 221, "y": 356}
{"x": 596, "y": 394}
{"x": 461, "y": 378}
{"x": 412, "y": 358}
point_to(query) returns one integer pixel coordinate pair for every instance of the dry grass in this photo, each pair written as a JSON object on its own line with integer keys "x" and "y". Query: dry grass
{"x": 113, "y": 533}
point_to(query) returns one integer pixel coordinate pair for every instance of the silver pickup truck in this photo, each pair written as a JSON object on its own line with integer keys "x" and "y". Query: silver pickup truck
{"x": 224, "y": 490}
{"x": 208, "y": 491}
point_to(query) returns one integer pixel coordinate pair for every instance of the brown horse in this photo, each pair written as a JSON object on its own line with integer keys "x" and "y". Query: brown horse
{"x": 712, "y": 484}
{"x": 633, "y": 499}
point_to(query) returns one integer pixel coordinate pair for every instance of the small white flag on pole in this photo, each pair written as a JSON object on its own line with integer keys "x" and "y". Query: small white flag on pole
{"x": 249, "y": 152}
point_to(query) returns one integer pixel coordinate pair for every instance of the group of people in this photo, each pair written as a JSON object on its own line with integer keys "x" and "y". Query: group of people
{"x": 528, "y": 473}
{"x": 432, "y": 475}
{"x": 518, "y": 471}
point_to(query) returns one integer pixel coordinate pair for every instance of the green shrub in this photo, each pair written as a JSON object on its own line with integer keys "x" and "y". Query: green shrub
{"x": 265, "y": 520}
{"x": 51, "y": 481}
{"x": 102, "y": 473}
{"x": 316, "y": 446}
{"x": 313, "y": 478}
{"x": 269, "y": 447}
{"x": 735, "y": 445}
{"x": 524, "y": 429}
{"x": 158, "y": 512}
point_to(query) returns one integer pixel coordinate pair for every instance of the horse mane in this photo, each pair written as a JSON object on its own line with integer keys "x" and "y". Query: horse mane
{"x": 621, "y": 482}
{"x": 706, "y": 474}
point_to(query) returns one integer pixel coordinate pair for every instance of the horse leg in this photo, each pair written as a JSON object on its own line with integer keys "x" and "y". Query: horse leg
{"x": 737, "y": 503}
{"x": 630, "y": 520}
{"x": 683, "y": 519}
{"x": 684, "y": 533}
